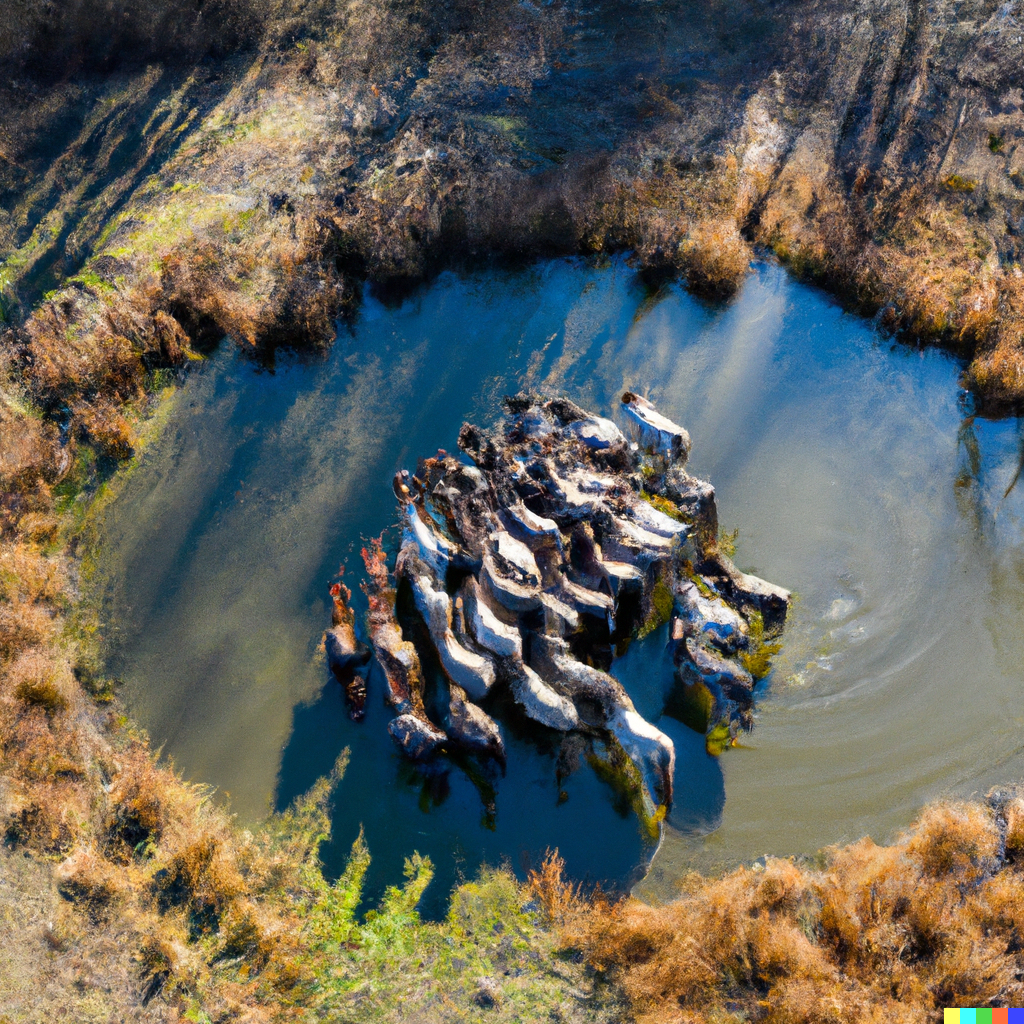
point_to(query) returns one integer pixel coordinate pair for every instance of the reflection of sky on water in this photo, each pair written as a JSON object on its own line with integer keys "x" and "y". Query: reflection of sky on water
{"x": 844, "y": 461}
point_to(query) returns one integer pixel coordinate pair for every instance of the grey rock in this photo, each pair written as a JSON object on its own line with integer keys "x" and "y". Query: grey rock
{"x": 417, "y": 738}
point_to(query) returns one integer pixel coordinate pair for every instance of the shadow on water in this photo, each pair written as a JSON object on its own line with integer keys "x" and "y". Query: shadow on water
{"x": 849, "y": 466}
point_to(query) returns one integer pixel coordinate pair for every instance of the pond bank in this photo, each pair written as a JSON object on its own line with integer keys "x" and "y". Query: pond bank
{"x": 229, "y": 902}
{"x": 903, "y": 555}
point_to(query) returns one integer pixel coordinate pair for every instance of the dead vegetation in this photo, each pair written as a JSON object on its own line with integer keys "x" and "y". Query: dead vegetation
{"x": 871, "y": 934}
{"x": 154, "y": 200}
{"x": 50, "y": 40}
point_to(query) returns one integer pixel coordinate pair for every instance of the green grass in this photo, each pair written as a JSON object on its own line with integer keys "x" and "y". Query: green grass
{"x": 490, "y": 959}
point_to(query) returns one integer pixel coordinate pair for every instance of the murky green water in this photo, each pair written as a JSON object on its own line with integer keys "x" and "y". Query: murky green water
{"x": 845, "y": 462}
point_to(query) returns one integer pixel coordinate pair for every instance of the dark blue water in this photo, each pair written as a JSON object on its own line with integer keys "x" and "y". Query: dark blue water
{"x": 847, "y": 463}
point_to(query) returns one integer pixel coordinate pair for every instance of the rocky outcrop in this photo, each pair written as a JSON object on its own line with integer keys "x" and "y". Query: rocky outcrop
{"x": 530, "y": 571}
{"x": 346, "y": 654}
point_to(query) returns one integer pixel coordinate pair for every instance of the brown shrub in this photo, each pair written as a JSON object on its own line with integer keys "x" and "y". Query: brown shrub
{"x": 41, "y": 743}
{"x": 137, "y": 812}
{"x": 956, "y": 838}
{"x": 40, "y": 681}
{"x": 201, "y": 878}
{"x": 714, "y": 257}
{"x": 246, "y": 936}
{"x": 46, "y": 824}
{"x": 73, "y": 356}
{"x": 276, "y": 288}
{"x": 26, "y": 455}
{"x": 881, "y": 933}
{"x": 1013, "y": 812}
{"x": 547, "y": 884}
{"x": 39, "y": 527}
{"x": 106, "y": 428}
{"x": 86, "y": 879}
{"x": 805, "y": 1002}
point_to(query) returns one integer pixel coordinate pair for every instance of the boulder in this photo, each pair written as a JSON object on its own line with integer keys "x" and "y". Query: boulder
{"x": 416, "y": 737}
{"x": 655, "y": 431}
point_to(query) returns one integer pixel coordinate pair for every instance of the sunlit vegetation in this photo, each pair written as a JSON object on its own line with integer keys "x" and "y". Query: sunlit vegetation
{"x": 177, "y": 172}
{"x": 870, "y": 933}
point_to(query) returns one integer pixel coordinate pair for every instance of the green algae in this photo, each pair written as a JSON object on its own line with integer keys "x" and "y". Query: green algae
{"x": 757, "y": 658}
{"x": 613, "y": 766}
{"x": 662, "y": 602}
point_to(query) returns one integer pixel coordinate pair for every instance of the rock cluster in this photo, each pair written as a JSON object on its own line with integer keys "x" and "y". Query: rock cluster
{"x": 531, "y": 568}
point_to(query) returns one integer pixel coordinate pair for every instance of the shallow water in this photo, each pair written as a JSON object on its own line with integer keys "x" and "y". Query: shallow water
{"x": 844, "y": 460}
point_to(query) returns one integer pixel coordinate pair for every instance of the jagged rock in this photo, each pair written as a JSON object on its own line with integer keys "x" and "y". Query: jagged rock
{"x": 596, "y": 432}
{"x": 416, "y": 737}
{"x": 487, "y": 629}
{"x": 696, "y": 502}
{"x": 564, "y": 541}
{"x": 611, "y": 708}
{"x": 744, "y": 590}
{"x": 414, "y": 732}
{"x": 346, "y": 654}
{"x": 471, "y": 728}
{"x": 710, "y": 617}
{"x": 511, "y": 573}
{"x": 535, "y": 530}
{"x": 541, "y": 702}
{"x": 473, "y": 672}
{"x": 433, "y": 549}
{"x": 715, "y": 668}
{"x": 656, "y": 431}
{"x": 401, "y": 667}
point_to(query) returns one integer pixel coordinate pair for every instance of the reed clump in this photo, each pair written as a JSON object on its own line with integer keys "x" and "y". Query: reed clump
{"x": 872, "y": 934}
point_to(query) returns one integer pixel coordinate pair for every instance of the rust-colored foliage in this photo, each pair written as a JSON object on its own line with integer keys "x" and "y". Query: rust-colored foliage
{"x": 378, "y": 586}
{"x": 879, "y": 933}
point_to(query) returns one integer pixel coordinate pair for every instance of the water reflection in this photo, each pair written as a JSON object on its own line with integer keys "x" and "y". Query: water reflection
{"x": 848, "y": 464}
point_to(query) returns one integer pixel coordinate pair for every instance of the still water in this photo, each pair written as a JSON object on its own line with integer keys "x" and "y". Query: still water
{"x": 848, "y": 464}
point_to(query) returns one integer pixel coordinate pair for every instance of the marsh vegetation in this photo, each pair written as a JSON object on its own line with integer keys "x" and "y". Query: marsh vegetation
{"x": 174, "y": 173}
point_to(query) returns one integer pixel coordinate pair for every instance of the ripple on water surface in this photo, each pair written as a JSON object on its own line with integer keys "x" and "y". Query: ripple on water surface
{"x": 845, "y": 461}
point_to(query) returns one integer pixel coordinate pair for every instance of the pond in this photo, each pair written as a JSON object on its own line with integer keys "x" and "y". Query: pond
{"x": 848, "y": 464}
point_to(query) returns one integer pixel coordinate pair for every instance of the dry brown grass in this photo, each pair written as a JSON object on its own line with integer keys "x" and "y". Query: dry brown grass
{"x": 31, "y": 592}
{"x": 878, "y": 933}
{"x": 90, "y": 355}
{"x": 132, "y": 872}
{"x": 280, "y": 287}
{"x": 154, "y": 889}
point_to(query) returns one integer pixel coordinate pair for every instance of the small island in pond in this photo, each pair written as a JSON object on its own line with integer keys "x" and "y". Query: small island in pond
{"x": 528, "y": 570}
